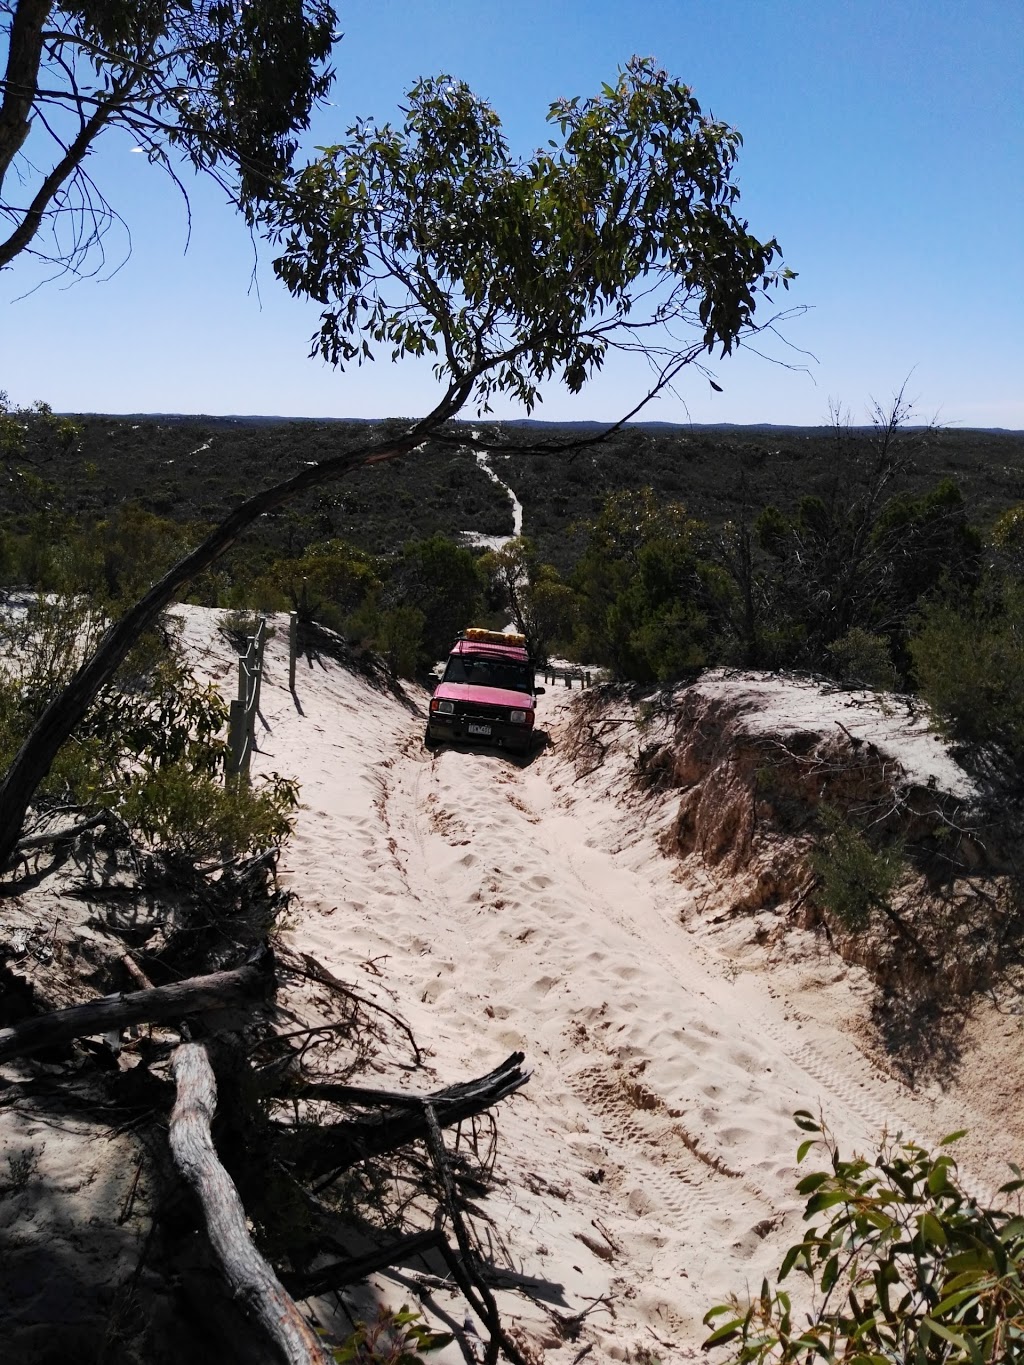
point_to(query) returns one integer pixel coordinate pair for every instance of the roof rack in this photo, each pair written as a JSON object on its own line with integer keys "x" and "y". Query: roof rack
{"x": 494, "y": 637}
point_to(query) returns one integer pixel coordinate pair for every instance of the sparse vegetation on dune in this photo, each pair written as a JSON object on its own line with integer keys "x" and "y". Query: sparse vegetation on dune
{"x": 867, "y": 556}
{"x": 903, "y": 1263}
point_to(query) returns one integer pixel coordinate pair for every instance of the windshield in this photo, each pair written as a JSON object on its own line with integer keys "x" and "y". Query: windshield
{"x": 483, "y": 672}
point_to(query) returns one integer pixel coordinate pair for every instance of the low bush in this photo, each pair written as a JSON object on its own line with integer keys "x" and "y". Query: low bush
{"x": 151, "y": 748}
{"x": 173, "y": 808}
{"x": 861, "y": 659}
{"x": 855, "y": 879}
{"x": 969, "y": 661}
{"x": 392, "y": 1339}
{"x": 905, "y": 1267}
{"x": 395, "y": 633}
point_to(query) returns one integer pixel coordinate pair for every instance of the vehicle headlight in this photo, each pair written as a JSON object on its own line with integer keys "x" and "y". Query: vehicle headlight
{"x": 517, "y": 717}
{"x": 446, "y": 708}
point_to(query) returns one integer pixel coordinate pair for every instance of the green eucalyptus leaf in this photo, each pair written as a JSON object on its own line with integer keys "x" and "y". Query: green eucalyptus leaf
{"x": 728, "y": 1332}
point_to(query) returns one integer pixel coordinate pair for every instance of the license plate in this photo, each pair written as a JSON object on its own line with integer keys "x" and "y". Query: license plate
{"x": 479, "y": 729}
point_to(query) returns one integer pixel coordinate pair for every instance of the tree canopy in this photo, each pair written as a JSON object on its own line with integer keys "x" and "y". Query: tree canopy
{"x": 623, "y": 234}
{"x": 432, "y": 238}
{"x": 222, "y": 87}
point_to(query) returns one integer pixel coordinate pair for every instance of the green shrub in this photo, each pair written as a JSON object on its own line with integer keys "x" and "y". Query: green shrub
{"x": 906, "y": 1267}
{"x": 113, "y": 559}
{"x": 393, "y": 1339}
{"x": 440, "y": 581}
{"x": 646, "y": 599}
{"x": 331, "y": 580}
{"x": 854, "y": 878}
{"x": 835, "y": 586}
{"x": 969, "y": 661}
{"x": 395, "y": 633}
{"x": 861, "y": 659}
{"x": 196, "y": 816}
{"x": 150, "y": 749}
{"x": 239, "y": 625}
{"x": 531, "y": 595}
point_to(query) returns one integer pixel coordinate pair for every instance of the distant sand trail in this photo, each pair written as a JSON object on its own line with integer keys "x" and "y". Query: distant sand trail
{"x": 483, "y": 460}
{"x": 511, "y": 907}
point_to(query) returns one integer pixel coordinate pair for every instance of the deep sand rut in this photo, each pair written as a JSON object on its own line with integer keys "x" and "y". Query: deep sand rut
{"x": 650, "y": 1159}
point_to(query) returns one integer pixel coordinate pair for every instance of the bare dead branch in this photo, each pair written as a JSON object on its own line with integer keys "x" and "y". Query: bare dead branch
{"x": 250, "y": 1279}
{"x": 243, "y": 988}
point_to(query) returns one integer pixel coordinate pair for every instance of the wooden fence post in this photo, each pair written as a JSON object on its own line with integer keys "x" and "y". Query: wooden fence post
{"x": 242, "y": 712}
{"x": 293, "y": 647}
{"x": 235, "y": 737}
{"x": 254, "y": 681}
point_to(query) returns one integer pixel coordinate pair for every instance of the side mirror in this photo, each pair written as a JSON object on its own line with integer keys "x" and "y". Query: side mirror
{"x": 538, "y": 691}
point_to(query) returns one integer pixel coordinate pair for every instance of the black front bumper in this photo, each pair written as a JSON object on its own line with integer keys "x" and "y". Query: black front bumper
{"x": 479, "y": 729}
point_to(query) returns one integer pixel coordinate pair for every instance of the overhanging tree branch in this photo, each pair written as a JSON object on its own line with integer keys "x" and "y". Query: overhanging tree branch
{"x": 32, "y": 218}
{"x": 530, "y": 272}
{"x": 225, "y": 88}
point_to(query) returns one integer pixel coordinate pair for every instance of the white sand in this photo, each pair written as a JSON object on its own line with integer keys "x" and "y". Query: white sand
{"x": 782, "y": 706}
{"x": 650, "y": 1158}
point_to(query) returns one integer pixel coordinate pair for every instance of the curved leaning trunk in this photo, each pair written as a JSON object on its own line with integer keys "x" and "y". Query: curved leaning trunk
{"x": 60, "y": 717}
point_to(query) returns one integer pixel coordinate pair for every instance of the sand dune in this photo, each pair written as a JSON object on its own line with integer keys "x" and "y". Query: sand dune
{"x": 650, "y": 1161}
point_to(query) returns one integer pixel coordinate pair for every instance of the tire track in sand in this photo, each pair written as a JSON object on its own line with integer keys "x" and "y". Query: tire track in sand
{"x": 548, "y": 950}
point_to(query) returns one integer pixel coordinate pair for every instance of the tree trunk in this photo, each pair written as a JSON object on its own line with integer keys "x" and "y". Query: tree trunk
{"x": 67, "y": 709}
{"x": 249, "y": 1278}
{"x": 244, "y": 987}
{"x": 24, "y": 52}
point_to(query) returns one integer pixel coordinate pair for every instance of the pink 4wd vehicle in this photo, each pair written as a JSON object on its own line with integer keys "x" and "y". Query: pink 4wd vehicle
{"x": 487, "y": 695}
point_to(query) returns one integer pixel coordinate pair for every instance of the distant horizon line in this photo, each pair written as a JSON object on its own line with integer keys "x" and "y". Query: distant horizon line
{"x": 255, "y": 418}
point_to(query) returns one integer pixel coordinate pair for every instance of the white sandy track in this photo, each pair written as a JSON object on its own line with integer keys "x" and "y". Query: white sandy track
{"x": 650, "y": 1159}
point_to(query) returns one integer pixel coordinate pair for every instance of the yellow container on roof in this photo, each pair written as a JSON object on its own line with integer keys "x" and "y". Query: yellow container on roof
{"x": 494, "y": 637}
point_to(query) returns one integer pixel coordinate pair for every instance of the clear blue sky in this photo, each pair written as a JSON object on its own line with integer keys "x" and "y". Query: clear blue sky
{"x": 884, "y": 148}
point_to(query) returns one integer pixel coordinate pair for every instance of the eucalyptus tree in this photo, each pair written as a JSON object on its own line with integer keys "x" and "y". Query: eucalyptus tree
{"x": 225, "y": 88}
{"x": 430, "y": 237}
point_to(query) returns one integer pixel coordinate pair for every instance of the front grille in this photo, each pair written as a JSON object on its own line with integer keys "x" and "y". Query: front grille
{"x": 474, "y": 711}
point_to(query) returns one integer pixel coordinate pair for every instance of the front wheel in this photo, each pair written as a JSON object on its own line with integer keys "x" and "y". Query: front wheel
{"x": 429, "y": 742}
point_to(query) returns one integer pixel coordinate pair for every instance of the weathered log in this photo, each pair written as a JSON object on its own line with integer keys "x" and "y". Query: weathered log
{"x": 243, "y": 986}
{"x": 136, "y": 973}
{"x": 402, "y": 1118}
{"x": 62, "y": 833}
{"x": 249, "y": 1278}
{"x": 354, "y": 1268}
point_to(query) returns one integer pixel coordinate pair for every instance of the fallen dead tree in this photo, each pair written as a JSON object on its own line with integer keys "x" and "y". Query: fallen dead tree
{"x": 242, "y": 987}
{"x": 249, "y": 1278}
{"x": 402, "y": 1118}
{"x": 415, "y": 1118}
{"x": 305, "y": 1144}
{"x": 399, "y": 1119}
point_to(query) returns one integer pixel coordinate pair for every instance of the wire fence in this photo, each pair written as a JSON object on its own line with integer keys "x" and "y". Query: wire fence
{"x": 567, "y": 675}
{"x": 245, "y": 707}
